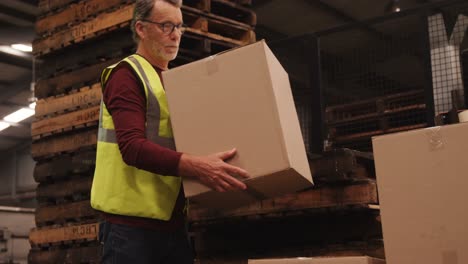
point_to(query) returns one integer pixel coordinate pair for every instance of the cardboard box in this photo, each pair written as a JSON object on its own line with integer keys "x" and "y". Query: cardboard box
{"x": 321, "y": 260}
{"x": 423, "y": 183}
{"x": 240, "y": 98}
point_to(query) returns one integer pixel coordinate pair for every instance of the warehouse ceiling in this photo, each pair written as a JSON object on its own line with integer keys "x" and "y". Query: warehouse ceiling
{"x": 276, "y": 19}
{"x": 16, "y": 26}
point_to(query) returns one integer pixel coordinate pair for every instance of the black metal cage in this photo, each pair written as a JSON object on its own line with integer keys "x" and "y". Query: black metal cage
{"x": 383, "y": 75}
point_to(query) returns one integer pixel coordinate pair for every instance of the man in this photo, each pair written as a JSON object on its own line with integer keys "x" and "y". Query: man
{"x": 137, "y": 181}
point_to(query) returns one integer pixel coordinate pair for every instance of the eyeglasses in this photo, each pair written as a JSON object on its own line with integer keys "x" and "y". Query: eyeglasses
{"x": 167, "y": 27}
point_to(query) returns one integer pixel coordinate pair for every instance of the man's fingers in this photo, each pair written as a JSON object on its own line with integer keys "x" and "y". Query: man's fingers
{"x": 226, "y": 154}
{"x": 235, "y": 183}
{"x": 236, "y": 171}
{"x": 225, "y": 185}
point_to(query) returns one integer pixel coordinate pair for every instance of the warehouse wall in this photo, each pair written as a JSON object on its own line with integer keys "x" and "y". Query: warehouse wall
{"x": 14, "y": 247}
{"x": 16, "y": 177}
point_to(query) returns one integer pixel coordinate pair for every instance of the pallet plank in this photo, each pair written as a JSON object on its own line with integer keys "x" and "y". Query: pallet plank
{"x": 217, "y": 27}
{"x": 233, "y": 11}
{"x": 64, "y": 82}
{"x": 286, "y": 234}
{"x": 327, "y": 196}
{"x": 46, "y": 6}
{"x": 85, "y": 97}
{"x": 73, "y": 14}
{"x": 116, "y": 44}
{"x": 103, "y": 22}
{"x": 341, "y": 165}
{"x": 60, "y": 214}
{"x": 46, "y": 236}
{"x": 65, "y": 166}
{"x": 234, "y": 32}
{"x": 65, "y": 143}
{"x": 65, "y": 121}
{"x": 60, "y": 190}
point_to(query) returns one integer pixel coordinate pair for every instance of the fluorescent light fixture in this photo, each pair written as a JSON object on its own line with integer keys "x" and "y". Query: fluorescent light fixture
{"x": 4, "y": 125}
{"x": 19, "y": 115}
{"x": 32, "y": 105}
{"x": 22, "y": 47}
{"x": 12, "y": 51}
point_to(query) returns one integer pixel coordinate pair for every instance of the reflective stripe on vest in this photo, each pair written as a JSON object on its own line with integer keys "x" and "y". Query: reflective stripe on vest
{"x": 152, "y": 116}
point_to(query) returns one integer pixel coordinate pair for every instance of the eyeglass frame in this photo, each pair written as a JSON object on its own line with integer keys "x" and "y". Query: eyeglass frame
{"x": 180, "y": 27}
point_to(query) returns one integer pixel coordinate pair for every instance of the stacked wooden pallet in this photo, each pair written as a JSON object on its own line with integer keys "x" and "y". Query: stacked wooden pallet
{"x": 77, "y": 40}
{"x": 338, "y": 217}
{"x": 352, "y": 125}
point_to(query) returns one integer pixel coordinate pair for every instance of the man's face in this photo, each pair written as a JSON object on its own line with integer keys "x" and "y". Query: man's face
{"x": 162, "y": 46}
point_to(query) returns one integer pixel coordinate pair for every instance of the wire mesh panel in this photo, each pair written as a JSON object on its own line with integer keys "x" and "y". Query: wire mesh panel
{"x": 373, "y": 77}
{"x": 384, "y": 75}
{"x": 393, "y": 73}
{"x": 299, "y": 57}
{"x": 445, "y": 56}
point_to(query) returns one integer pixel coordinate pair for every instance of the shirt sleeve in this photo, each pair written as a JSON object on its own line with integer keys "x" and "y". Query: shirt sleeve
{"x": 125, "y": 100}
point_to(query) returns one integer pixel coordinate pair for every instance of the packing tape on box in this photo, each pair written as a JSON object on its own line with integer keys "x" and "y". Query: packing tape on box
{"x": 211, "y": 65}
{"x": 449, "y": 257}
{"x": 463, "y": 116}
{"x": 435, "y": 139}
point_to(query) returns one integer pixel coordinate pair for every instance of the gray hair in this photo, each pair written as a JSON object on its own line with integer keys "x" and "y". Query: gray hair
{"x": 142, "y": 11}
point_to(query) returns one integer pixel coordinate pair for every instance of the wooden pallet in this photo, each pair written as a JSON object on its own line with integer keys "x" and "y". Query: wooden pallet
{"x": 204, "y": 46}
{"x": 194, "y": 47}
{"x": 64, "y": 143}
{"x": 343, "y": 165}
{"x": 73, "y": 255}
{"x": 108, "y": 22}
{"x": 69, "y": 81}
{"x": 102, "y": 24}
{"x": 72, "y": 234}
{"x": 234, "y": 11}
{"x": 117, "y": 44}
{"x": 375, "y": 108}
{"x": 217, "y": 27}
{"x": 352, "y": 125}
{"x": 369, "y": 134}
{"x": 74, "y": 14}
{"x": 83, "y": 98}
{"x": 85, "y": 118}
{"x": 286, "y": 234}
{"x": 70, "y": 190}
{"x": 65, "y": 213}
{"x": 46, "y": 6}
{"x": 222, "y": 8}
{"x": 62, "y": 167}
{"x": 321, "y": 197}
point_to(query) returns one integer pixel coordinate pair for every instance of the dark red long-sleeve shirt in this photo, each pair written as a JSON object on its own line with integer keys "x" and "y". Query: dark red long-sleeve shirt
{"x": 125, "y": 100}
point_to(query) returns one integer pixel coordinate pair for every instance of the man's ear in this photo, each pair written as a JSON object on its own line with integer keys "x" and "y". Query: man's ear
{"x": 140, "y": 29}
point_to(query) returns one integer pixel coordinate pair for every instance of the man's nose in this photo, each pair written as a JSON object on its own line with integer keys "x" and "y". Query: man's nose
{"x": 176, "y": 34}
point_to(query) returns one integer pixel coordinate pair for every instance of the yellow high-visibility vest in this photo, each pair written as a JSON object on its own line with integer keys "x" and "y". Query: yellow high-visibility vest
{"x": 125, "y": 190}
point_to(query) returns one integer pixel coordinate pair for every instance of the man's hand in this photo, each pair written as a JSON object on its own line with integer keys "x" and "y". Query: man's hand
{"x": 213, "y": 171}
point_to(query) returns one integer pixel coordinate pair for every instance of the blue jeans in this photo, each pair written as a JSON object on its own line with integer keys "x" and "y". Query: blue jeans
{"x": 128, "y": 244}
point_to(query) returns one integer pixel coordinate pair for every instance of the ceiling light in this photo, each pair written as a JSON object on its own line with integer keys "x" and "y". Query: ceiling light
{"x": 12, "y": 51}
{"x": 22, "y": 47}
{"x": 32, "y": 105}
{"x": 393, "y": 6}
{"x": 19, "y": 115}
{"x": 3, "y": 125}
